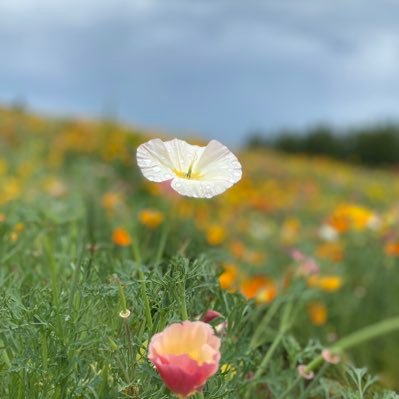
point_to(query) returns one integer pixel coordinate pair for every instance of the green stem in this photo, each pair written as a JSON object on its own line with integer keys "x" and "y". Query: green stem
{"x": 129, "y": 342}
{"x": 262, "y": 325}
{"x": 182, "y": 300}
{"x": 365, "y": 334}
{"x": 4, "y": 355}
{"x": 122, "y": 297}
{"x": 370, "y": 332}
{"x": 121, "y": 365}
{"x": 265, "y": 362}
{"x": 285, "y": 324}
{"x": 76, "y": 275}
{"x": 75, "y": 280}
{"x": 44, "y": 348}
{"x": 147, "y": 308}
{"x": 54, "y": 288}
{"x": 313, "y": 382}
{"x": 162, "y": 243}
{"x": 290, "y": 388}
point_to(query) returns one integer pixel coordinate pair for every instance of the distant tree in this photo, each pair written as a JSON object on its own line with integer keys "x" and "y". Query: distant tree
{"x": 379, "y": 146}
{"x": 376, "y": 145}
{"x": 321, "y": 140}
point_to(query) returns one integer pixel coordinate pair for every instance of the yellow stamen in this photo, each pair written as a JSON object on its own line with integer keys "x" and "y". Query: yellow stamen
{"x": 188, "y": 175}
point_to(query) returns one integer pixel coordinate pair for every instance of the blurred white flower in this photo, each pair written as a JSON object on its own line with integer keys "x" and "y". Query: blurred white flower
{"x": 328, "y": 233}
{"x": 194, "y": 171}
{"x": 374, "y": 223}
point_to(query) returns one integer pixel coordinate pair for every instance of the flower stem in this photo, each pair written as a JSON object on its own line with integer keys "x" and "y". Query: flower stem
{"x": 125, "y": 315}
{"x": 285, "y": 324}
{"x": 365, "y": 334}
{"x": 183, "y": 306}
{"x": 362, "y": 335}
{"x": 313, "y": 382}
{"x": 262, "y": 325}
{"x": 147, "y": 308}
{"x": 122, "y": 297}
{"x": 290, "y": 388}
{"x": 129, "y": 341}
{"x": 3, "y": 351}
{"x": 54, "y": 288}
{"x": 162, "y": 243}
{"x": 265, "y": 362}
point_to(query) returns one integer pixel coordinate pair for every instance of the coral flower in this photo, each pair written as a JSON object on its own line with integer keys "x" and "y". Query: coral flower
{"x": 121, "y": 237}
{"x": 185, "y": 355}
{"x": 193, "y": 171}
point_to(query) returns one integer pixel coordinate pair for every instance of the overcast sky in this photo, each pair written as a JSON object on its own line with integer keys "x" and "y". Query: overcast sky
{"x": 217, "y": 67}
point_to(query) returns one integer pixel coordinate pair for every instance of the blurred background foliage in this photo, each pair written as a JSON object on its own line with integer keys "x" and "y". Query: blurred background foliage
{"x": 371, "y": 145}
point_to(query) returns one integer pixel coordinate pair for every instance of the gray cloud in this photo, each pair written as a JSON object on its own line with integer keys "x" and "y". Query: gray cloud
{"x": 220, "y": 68}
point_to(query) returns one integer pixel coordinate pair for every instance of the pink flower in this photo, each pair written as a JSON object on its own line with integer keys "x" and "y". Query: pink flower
{"x": 309, "y": 267}
{"x": 210, "y": 315}
{"x": 297, "y": 255}
{"x": 330, "y": 357}
{"x": 306, "y": 264}
{"x": 185, "y": 355}
{"x": 305, "y": 373}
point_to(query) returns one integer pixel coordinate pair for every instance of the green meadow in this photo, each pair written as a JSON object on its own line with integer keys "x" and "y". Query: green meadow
{"x": 300, "y": 256}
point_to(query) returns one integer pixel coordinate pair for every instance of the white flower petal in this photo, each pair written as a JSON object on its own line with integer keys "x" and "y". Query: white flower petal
{"x": 154, "y": 161}
{"x": 182, "y": 154}
{"x": 199, "y": 188}
{"x": 200, "y": 172}
{"x": 218, "y": 163}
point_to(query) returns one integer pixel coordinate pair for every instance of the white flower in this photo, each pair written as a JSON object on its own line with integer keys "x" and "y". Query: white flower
{"x": 328, "y": 233}
{"x": 200, "y": 172}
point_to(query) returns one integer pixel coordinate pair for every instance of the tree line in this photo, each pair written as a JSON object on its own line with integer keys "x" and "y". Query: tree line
{"x": 376, "y": 145}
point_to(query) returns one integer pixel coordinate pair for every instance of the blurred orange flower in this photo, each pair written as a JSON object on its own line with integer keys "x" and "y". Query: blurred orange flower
{"x": 290, "y": 231}
{"x": 262, "y": 288}
{"x": 255, "y": 257}
{"x": 331, "y": 250}
{"x": 329, "y": 283}
{"x": 317, "y": 313}
{"x": 215, "y": 235}
{"x": 151, "y": 218}
{"x": 392, "y": 248}
{"x": 237, "y": 249}
{"x": 121, "y": 237}
{"x": 228, "y": 279}
{"x": 349, "y": 216}
{"x": 110, "y": 200}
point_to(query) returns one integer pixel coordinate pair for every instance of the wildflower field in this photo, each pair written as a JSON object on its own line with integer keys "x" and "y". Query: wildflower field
{"x": 284, "y": 286}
